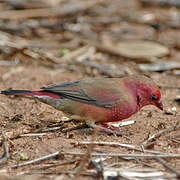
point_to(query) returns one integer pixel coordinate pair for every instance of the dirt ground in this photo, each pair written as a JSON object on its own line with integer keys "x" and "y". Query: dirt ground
{"x": 23, "y": 121}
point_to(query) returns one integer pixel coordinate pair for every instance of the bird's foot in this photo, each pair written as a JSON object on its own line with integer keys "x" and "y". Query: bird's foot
{"x": 112, "y": 131}
{"x": 105, "y": 128}
{"x": 111, "y": 126}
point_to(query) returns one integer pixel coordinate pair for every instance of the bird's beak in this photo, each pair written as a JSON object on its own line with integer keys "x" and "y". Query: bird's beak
{"x": 159, "y": 105}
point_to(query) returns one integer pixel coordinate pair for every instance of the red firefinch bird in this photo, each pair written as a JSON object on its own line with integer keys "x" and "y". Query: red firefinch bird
{"x": 98, "y": 101}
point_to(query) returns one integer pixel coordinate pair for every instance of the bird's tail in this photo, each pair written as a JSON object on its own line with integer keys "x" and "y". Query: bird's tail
{"x": 29, "y": 93}
{"x": 18, "y": 92}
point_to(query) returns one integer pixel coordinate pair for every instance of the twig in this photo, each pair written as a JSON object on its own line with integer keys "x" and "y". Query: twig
{"x": 122, "y": 145}
{"x": 164, "y": 163}
{"x": 160, "y": 133}
{"x": 33, "y": 134}
{"x": 124, "y": 155}
{"x": 42, "y": 158}
{"x": 52, "y": 129}
{"x": 5, "y": 155}
{"x": 92, "y": 173}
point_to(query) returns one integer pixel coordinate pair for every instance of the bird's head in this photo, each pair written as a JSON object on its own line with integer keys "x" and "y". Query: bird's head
{"x": 146, "y": 92}
{"x": 149, "y": 96}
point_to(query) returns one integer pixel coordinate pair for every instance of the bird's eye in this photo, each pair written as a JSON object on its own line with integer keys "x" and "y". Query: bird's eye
{"x": 154, "y": 97}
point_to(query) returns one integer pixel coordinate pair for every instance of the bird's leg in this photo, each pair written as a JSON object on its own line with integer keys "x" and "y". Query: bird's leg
{"x": 80, "y": 126}
{"x": 103, "y": 128}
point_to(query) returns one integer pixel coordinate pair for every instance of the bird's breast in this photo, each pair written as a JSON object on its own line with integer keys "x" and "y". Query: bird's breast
{"x": 120, "y": 112}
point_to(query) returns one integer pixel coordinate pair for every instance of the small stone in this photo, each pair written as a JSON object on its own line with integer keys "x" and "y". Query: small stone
{"x": 171, "y": 111}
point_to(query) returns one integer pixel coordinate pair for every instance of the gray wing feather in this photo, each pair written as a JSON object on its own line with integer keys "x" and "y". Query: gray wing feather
{"x": 68, "y": 90}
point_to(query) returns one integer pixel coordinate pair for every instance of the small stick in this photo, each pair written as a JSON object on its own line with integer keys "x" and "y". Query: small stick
{"x": 33, "y": 134}
{"x": 120, "y": 144}
{"x": 124, "y": 155}
{"x": 165, "y": 164}
{"x": 52, "y": 129}
{"x": 42, "y": 158}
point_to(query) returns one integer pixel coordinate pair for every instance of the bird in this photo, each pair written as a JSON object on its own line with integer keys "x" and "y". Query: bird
{"x": 97, "y": 101}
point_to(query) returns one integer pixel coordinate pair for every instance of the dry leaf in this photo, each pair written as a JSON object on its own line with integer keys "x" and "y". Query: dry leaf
{"x": 141, "y": 49}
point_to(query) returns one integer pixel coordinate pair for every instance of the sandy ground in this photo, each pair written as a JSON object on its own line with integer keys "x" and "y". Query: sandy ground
{"x": 39, "y": 40}
{"x": 34, "y": 116}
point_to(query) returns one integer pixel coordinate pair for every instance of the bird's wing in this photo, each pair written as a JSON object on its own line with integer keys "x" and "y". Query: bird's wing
{"x": 99, "y": 92}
